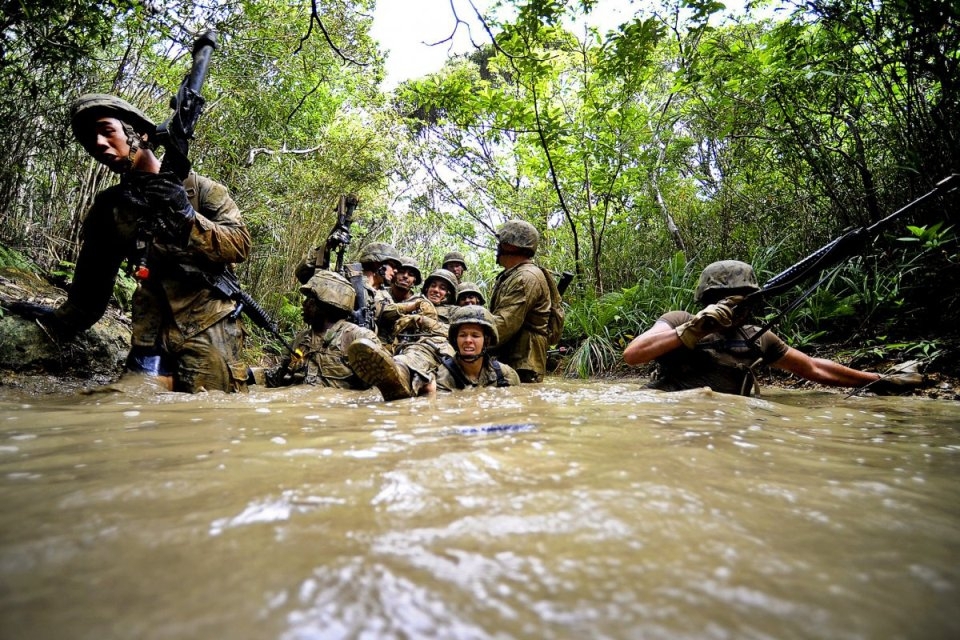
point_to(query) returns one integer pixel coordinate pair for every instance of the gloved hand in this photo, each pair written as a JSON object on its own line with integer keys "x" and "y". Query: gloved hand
{"x": 43, "y": 314}
{"x": 894, "y": 384}
{"x": 710, "y": 319}
{"x": 167, "y": 197}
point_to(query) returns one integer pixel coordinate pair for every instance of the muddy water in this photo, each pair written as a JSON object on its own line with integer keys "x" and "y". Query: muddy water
{"x": 567, "y": 510}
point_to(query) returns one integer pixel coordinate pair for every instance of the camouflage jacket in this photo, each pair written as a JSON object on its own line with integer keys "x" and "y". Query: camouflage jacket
{"x": 173, "y": 301}
{"x": 446, "y": 381}
{"x": 520, "y": 304}
{"x": 325, "y": 361}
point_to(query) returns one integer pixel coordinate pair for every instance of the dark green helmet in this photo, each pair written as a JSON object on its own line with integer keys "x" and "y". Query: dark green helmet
{"x": 89, "y": 107}
{"x": 454, "y": 257}
{"x": 377, "y": 252}
{"x": 473, "y": 314}
{"x": 520, "y": 234}
{"x": 447, "y": 278}
{"x": 409, "y": 262}
{"x": 725, "y": 278}
{"x": 331, "y": 288}
{"x": 470, "y": 287}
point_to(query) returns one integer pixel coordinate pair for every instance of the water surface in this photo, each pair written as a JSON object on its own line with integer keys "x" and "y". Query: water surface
{"x": 565, "y": 510}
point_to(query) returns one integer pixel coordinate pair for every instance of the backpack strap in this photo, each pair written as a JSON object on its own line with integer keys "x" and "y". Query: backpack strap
{"x": 458, "y": 378}
{"x": 501, "y": 380}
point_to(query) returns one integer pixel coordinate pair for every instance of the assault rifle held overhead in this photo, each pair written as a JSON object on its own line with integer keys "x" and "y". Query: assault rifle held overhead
{"x": 831, "y": 254}
{"x": 338, "y": 241}
{"x": 175, "y": 134}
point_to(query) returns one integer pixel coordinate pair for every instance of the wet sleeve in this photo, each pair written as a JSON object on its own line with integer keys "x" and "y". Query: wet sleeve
{"x": 218, "y": 232}
{"x": 772, "y": 347}
{"x": 512, "y": 306}
{"x": 96, "y": 270}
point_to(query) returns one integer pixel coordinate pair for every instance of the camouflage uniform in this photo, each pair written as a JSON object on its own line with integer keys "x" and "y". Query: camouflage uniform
{"x": 173, "y": 309}
{"x": 325, "y": 356}
{"x": 520, "y": 304}
{"x": 722, "y": 361}
{"x": 451, "y": 375}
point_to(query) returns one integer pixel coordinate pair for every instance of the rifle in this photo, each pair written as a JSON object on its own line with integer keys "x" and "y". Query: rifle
{"x": 829, "y": 255}
{"x": 175, "y": 134}
{"x": 564, "y": 281}
{"x": 227, "y": 284}
{"x": 338, "y": 240}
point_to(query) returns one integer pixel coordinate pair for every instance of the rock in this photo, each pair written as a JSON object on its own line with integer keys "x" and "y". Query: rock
{"x": 26, "y": 348}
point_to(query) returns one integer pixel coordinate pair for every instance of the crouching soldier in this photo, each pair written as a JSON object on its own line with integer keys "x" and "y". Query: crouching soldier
{"x": 322, "y": 347}
{"x": 472, "y": 333}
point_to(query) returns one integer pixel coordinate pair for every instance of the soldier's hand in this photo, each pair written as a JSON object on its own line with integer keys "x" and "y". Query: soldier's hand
{"x": 711, "y": 318}
{"x": 167, "y": 197}
{"x": 408, "y": 324}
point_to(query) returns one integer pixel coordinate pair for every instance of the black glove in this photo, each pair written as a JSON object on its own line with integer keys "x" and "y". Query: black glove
{"x": 167, "y": 197}
{"x": 45, "y": 315}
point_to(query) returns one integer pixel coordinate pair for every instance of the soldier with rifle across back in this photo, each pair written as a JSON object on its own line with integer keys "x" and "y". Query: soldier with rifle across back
{"x": 715, "y": 348}
{"x": 176, "y": 234}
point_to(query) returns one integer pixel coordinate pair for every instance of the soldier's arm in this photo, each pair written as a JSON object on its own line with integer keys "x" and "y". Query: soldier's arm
{"x": 218, "y": 231}
{"x": 96, "y": 271}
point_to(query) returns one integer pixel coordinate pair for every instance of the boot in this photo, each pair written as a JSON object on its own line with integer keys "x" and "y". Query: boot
{"x": 375, "y": 366}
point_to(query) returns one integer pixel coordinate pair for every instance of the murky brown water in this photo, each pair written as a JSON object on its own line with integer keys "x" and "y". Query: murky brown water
{"x": 568, "y": 510}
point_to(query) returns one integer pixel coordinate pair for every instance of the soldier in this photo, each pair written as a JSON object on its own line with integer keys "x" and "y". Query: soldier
{"x": 469, "y": 293}
{"x": 400, "y": 300}
{"x": 454, "y": 263}
{"x": 472, "y": 333}
{"x": 714, "y": 348}
{"x": 184, "y": 331}
{"x": 440, "y": 288}
{"x": 414, "y": 341}
{"x": 328, "y": 300}
{"x": 520, "y": 302}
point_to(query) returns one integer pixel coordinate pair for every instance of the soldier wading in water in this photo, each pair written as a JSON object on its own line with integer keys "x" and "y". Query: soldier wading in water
{"x": 184, "y": 331}
{"x": 714, "y": 348}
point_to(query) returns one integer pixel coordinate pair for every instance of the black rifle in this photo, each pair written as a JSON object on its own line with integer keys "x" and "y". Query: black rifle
{"x": 832, "y": 253}
{"x": 339, "y": 240}
{"x": 564, "y": 281}
{"x": 175, "y": 134}
{"x": 227, "y": 284}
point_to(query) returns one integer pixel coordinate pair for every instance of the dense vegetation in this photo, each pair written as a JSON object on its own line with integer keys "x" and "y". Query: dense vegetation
{"x": 642, "y": 154}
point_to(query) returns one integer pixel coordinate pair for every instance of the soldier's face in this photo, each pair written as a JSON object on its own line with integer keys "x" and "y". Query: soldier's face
{"x": 455, "y": 267}
{"x": 109, "y": 145}
{"x": 469, "y": 298}
{"x": 470, "y": 340}
{"x": 405, "y": 278}
{"x": 437, "y": 292}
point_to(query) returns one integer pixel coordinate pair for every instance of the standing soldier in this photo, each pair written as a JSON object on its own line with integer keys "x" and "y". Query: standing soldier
{"x": 454, "y": 263}
{"x": 440, "y": 288}
{"x": 520, "y": 302}
{"x": 186, "y": 233}
{"x": 328, "y": 300}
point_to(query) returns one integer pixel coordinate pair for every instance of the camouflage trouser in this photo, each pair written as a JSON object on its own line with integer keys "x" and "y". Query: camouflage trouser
{"x": 210, "y": 360}
{"x": 424, "y": 356}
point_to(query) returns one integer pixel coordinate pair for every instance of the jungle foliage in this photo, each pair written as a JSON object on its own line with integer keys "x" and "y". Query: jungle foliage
{"x": 642, "y": 154}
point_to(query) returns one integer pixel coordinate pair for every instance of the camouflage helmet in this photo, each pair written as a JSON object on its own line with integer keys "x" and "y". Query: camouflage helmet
{"x": 448, "y": 278}
{"x": 473, "y": 314}
{"x": 379, "y": 252}
{"x": 519, "y": 234}
{"x": 470, "y": 287}
{"x": 87, "y": 108}
{"x": 455, "y": 257}
{"x": 730, "y": 277}
{"x": 329, "y": 287}
{"x": 409, "y": 262}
